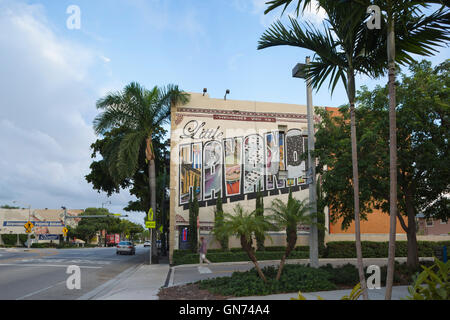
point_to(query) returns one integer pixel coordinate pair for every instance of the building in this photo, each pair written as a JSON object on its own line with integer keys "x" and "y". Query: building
{"x": 436, "y": 227}
{"x": 231, "y": 146}
{"x": 48, "y": 223}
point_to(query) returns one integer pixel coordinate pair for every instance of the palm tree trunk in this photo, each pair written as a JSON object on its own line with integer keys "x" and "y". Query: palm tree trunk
{"x": 290, "y": 245}
{"x": 152, "y": 185}
{"x": 392, "y": 159}
{"x": 248, "y": 248}
{"x": 351, "y": 93}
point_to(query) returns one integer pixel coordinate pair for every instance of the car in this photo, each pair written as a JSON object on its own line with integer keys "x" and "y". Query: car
{"x": 147, "y": 244}
{"x": 126, "y": 247}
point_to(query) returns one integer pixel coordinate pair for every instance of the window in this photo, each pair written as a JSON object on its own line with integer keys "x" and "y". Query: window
{"x": 430, "y": 222}
{"x": 444, "y": 222}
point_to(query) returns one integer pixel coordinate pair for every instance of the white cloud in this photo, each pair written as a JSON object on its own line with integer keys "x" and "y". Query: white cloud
{"x": 46, "y": 99}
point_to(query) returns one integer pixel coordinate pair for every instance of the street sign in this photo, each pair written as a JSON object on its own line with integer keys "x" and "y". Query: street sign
{"x": 65, "y": 230}
{"x": 150, "y": 224}
{"x": 48, "y": 237}
{"x": 150, "y": 215}
{"x": 28, "y": 226}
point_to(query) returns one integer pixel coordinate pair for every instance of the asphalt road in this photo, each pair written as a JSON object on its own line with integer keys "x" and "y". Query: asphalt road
{"x": 40, "y": 274}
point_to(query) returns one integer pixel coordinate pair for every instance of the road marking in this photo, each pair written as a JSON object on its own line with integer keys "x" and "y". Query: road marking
{"x": 43, "y": 265}
{"x": 204, "y": 270}
{"x": 39, "y": 291}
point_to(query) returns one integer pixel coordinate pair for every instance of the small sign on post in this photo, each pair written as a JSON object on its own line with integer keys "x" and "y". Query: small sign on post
{"x": 28, "y": 226}
{"x": 150, "y": 224}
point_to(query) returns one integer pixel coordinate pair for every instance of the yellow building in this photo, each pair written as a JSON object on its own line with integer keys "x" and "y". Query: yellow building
{"x": 229, "y": 147}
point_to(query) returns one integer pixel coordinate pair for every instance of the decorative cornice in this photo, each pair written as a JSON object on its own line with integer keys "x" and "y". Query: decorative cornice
{"x": 282, "y": 116}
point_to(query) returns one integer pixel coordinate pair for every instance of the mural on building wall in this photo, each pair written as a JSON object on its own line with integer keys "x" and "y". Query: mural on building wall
{"x": 274, "y": 159}
{"x": 233, "y": 160}
{"x": 190, "y": 171}
{"x": 212, "y": 169}
{"x": 253, "y": 163}
{"x": 236, "y": 165}
{"x": 295, "y": 148}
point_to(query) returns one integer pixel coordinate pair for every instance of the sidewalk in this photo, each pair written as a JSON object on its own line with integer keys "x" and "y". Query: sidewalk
{"x": 137, "y": 283}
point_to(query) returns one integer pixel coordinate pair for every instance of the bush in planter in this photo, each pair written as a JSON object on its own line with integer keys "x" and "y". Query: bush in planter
{"x": 293, "y": 278}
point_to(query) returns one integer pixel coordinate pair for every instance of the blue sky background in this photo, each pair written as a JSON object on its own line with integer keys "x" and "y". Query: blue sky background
{"x": 52, "y": 76}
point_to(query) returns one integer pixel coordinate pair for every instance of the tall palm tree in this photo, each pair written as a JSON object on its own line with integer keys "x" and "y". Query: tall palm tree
{"x": 429, "y": 31}
{"x": 140, "y": 111}
{"x": 244, "y": 225}
{"x": 288, "y": 216}
{"x": 343, "y": 50}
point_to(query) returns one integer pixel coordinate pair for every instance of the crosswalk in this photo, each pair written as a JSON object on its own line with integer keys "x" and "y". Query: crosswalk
{"x": 204, "y": 270}
{"x": 66, "y": 261}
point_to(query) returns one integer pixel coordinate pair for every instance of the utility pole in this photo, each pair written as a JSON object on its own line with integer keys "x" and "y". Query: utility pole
{"x": 29, "y": 217}
{"x": 65, "y": 215}
{"x": 300, "y": 71}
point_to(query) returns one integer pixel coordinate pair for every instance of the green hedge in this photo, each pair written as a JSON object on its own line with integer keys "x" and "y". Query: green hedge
{"x": 193, "y": 258}
{"x": 11, "y": 239}
{"x": 370, "y": 249}
{"x": 337, "y": 249}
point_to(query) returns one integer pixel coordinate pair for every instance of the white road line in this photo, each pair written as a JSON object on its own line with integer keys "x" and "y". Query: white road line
{"x": 43, "y": 265}
{"x": 39, "y": 291}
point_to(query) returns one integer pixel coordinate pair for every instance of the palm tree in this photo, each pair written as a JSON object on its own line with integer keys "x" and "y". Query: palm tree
{"x": 244, "y": 225}
{"x": 343, "y": 50}
{"x": 140, "y": 112}
{"x": 288, "y": 216}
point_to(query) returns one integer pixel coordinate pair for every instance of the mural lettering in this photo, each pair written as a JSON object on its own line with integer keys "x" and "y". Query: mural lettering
{"x": 236, "y": 166}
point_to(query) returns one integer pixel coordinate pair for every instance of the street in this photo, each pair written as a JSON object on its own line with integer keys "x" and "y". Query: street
{"x": 40, "y": 274}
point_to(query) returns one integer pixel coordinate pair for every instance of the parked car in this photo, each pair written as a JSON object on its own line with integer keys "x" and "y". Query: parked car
{"x": 127, "y": 247}
{"x": 147, "y": 244}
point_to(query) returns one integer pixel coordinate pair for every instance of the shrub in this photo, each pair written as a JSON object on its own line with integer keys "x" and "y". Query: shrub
{"x": 293, "y": 278}
{"x": 432, "y": 284}
{"x": 371, "y": 249}
{"x": 182, "y": 257}
{"x": 11, "y": 239}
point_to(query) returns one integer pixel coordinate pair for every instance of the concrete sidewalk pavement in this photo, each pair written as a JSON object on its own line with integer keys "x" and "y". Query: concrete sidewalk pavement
{"x": 137, "y": 283}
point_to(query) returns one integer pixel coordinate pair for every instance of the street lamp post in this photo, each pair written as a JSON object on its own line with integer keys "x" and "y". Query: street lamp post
{"x": 300, "y": 71}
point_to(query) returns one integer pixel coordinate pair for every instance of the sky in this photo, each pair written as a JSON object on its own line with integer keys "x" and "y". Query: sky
{"x": 51, "y": 77}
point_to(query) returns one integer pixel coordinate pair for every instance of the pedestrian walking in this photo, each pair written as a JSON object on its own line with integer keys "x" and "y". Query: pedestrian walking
{"x": 203, "y": 250}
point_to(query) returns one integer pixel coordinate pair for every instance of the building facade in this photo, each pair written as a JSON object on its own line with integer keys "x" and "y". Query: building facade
{"x": 48, "y": 223}
{"x": 229, "y": 147}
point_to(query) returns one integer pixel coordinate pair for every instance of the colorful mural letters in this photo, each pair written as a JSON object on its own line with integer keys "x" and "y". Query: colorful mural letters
{"x": 238, "y": 165}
